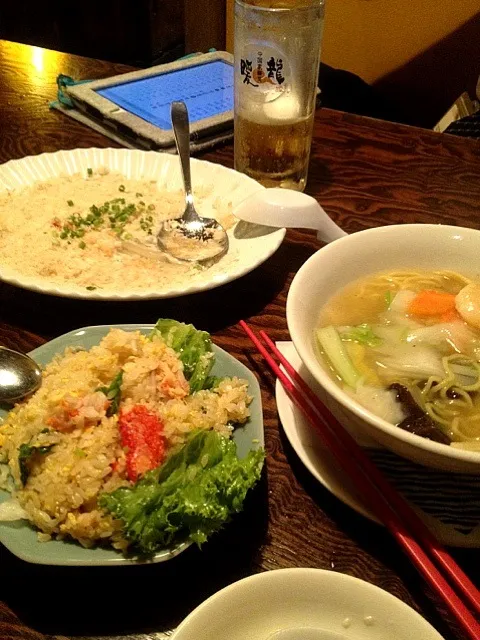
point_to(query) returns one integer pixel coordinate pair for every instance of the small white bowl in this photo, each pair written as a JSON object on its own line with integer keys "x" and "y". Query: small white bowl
{"x": 318, "y": 604}
{"x": 419, "y": 246}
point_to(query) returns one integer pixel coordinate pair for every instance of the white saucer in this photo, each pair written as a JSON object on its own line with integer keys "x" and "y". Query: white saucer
{"x": 448, "y": 503}
{"x": 312, "y": 602}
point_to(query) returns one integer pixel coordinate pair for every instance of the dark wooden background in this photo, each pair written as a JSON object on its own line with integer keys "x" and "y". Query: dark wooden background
{"x": 365, "y": 173}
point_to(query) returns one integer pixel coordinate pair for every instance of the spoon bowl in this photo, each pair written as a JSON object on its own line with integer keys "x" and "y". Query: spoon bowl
{"x": 190, "y": 238}
{"x": 20, "y": 376}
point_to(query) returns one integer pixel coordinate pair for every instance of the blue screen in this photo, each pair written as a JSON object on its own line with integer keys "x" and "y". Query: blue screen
{"x": 207, "y": 90}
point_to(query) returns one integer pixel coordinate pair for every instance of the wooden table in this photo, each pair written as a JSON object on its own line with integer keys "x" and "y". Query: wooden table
{"x": 365, "y": 173}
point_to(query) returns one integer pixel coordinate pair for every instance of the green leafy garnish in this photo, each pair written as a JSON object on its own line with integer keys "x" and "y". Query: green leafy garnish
{"x": 192, "y": 495}
{"x": 26, "y": 454}
{"x": 70, "y": 203}
{"x": 90, "y": 287}
{"x": 113, "y": 393}
{"x": 193, "y": 347}
{"x": 388, "y": 298}
{"x": 89, "y": 172}
{"x": 82, "y": 245}
{"x": 363, "y": 334}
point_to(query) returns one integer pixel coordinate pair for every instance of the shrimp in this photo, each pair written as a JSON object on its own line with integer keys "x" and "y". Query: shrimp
{"x": 467, "y": 303}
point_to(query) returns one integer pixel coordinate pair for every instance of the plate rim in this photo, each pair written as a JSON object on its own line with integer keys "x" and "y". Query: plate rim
{"x": 63, "y": 291}
{"x": 120, "y": 560}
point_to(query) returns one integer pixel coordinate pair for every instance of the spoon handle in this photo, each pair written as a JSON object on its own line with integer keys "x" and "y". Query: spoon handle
{"x": 181, "y": 130}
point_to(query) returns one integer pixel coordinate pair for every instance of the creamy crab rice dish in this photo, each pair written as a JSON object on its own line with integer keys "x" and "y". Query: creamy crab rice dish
{"x": 98, "y": 231}
{"x": 125, "y": 417}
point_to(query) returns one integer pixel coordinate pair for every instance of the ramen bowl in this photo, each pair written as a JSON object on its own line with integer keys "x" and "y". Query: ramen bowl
{"x": 419, "y": 247}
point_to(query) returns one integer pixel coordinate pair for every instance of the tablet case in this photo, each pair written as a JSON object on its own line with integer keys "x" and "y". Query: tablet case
{"x": 87, "y": 99}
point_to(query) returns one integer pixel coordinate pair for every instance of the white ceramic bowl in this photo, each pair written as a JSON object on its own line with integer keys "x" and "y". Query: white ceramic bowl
{"x": 342, "y": 607}
{"x": 335, "y": 265}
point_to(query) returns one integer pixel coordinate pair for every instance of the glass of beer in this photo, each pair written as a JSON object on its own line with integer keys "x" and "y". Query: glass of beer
{"x": 277, "y": 55}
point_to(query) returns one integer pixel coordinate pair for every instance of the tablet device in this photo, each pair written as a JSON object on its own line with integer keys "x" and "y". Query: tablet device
{"x": 138, "y": 103}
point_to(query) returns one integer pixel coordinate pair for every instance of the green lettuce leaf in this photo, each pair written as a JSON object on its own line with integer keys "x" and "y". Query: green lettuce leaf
{"x": 194, "y": 348}
{"x": 192, "y": 495}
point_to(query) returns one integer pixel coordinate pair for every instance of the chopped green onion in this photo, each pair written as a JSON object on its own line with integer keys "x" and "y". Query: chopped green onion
{"x": 114, "y": 214}
{"x": 90, "y": 288}
{"x": 70, "y": 203}
{"x": 388, "y": 298}
{"x": 331, "y": 344}
{"x": 82, "y": 245}
{"x": 138, "y": 194}
{"x": 363, "y": 334}
{"x": 89, "y": 172}
{"x": 121, "y": 188}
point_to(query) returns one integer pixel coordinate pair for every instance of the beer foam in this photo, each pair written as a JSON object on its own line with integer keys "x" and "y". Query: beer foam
{"x": 284, "y": 110}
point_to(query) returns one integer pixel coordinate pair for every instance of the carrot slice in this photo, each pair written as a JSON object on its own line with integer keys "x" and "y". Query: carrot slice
{"x": 431, "y": 303}
{"x": 451, "y": 316}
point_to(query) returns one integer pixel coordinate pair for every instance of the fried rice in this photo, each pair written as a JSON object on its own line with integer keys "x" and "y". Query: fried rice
{"x": 68, "y": 417}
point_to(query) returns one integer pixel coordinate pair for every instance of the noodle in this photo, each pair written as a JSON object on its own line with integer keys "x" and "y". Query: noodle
{"x": 414, "y": 280}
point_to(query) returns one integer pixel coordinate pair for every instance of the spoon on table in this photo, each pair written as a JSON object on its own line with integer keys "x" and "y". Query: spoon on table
{"x": 19, "y": 375}
{"x": 288, "y": 208}
{"x": 190, "y": 238}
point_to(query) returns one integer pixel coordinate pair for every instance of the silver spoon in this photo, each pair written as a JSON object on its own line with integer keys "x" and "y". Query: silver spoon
{"x": 190, "y": 238}
{"x": 19, "y": 375}
{"x": 288, "y": 208}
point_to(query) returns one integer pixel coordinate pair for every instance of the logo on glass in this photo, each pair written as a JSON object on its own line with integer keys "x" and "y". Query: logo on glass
{"x": 266, "y": 71}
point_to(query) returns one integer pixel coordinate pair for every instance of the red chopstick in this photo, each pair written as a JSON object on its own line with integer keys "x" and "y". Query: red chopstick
{"x": 383, "y": 499}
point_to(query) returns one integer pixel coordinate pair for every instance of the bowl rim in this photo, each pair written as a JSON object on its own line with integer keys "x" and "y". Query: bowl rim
{"x": 308, "y": 573}
{"x": 321, "y": 376}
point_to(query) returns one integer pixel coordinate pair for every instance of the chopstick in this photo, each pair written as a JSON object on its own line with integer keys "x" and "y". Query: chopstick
{"x": 387, "y": 504}
{"x": 460, "y": 579}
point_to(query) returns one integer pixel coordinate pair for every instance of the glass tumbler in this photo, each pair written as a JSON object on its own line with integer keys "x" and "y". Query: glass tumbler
{"x": 277, "y": 55}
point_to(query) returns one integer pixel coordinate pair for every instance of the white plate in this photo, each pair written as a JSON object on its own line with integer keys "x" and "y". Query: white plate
{"x": 250, "y": 245}
{"x": 343, "y": 607}
{"x": 449, "y": 503}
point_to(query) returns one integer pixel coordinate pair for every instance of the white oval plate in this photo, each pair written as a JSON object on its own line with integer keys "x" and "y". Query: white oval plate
{"x": 250, "y": 245}
{"x": 341, "y": 606}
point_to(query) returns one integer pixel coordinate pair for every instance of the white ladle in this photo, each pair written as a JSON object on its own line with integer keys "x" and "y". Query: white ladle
{"x": 287, "y": 208}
